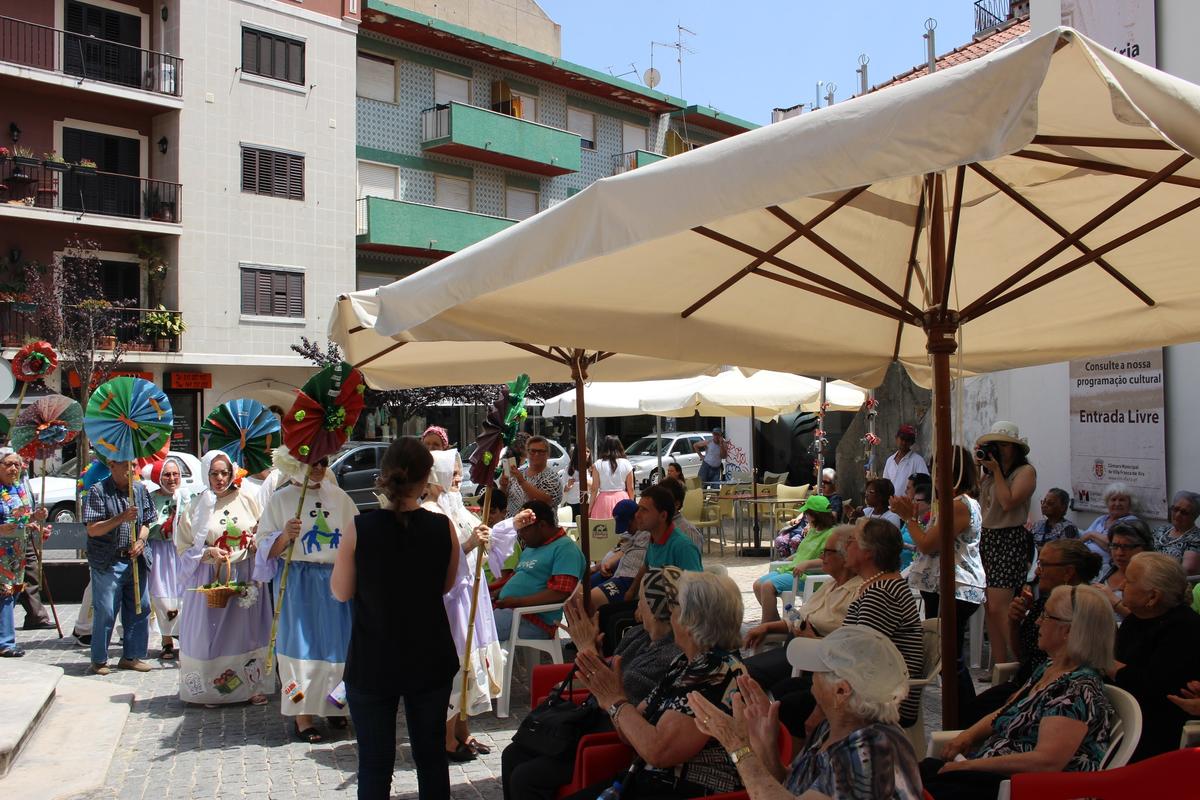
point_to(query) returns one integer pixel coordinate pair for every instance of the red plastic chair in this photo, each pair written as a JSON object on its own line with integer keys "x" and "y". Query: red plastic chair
{"x": 1169, "y": 775}
{"x": 545, "y": 677}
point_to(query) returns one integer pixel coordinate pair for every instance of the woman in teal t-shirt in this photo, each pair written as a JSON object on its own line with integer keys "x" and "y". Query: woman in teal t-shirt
{"x": 820, "y": 519}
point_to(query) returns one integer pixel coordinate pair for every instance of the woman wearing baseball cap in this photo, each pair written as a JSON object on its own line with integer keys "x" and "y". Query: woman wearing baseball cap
{"x": 857, "y": 751}
{"x": 817, "y": 513}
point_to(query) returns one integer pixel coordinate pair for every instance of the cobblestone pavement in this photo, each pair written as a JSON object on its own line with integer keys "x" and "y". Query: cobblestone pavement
{"x": 171, "y": 750}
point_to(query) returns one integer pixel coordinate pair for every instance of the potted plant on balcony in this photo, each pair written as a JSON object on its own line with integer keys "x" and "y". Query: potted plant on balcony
{"x": 54, "y": 162}
{"x": 155, "y": 207}
{"x": 23, "y": 157}
{"x": 84, "y": 166}
{"x": 164, "y": 327}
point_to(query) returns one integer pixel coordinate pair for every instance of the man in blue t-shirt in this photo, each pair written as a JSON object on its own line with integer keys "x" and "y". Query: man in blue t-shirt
{"x": 550, "y": 567}
{"x": 669, "y": 547}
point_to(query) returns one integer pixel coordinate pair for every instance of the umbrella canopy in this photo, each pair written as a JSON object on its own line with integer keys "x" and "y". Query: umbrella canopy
{"x": 127, "y": 419}
{"x": 1023, "y": 208}
{"x": 245, "y": 430}
{"x": 45, "y": 425}
{"x": 619, "y": 398}
{"x": 1056, "y": 149}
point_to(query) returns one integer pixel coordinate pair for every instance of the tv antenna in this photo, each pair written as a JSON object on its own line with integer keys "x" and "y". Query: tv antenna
{"x": 680, "y": 48}
{"x": 631, "y": 71}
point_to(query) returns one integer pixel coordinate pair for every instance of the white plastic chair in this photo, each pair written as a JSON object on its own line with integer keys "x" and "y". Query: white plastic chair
{"x": 812, "y": 582}
{"x": 565, "y": 515}
{"x": 931, "y": 648}
{"x": 1125, "y": 733}
{"x": 533, "y": 646}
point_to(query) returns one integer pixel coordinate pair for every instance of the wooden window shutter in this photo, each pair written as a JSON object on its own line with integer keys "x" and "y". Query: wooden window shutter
{"x": 262, "y": 292}
{"x": 295, "y": 72}
{"x": 249, "y": 169}
{"x": 295, "y": 177}
{"x": 295, "y": 294}
{"x": 278, "y": 293}
{"x": 250, "y": 51}
{"x": 247, "y": 281}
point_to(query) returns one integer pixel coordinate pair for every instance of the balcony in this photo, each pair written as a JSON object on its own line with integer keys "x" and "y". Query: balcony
{"x": 35, "y": 51}
{"x": 398, "y": 226}
{"x": 478, "y": 134}
{"x": 133, "y": 328}
{"x": 623, "y": 162}
{"x": 44, "y": 190}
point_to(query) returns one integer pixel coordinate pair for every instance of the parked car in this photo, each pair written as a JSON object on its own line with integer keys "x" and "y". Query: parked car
{"x": 678, "y": 447}
{"x": 355, "y": 467}
{"x": 558, "y": 462}
{"x": 60, "y": 485}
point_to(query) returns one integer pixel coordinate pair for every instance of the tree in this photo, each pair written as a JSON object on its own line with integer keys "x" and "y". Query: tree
{"x": 72, "y": 313}
{"x": 408, "y": 403}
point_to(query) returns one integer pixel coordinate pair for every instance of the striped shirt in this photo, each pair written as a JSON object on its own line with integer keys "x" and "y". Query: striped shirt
{"x": 888, "y": 607}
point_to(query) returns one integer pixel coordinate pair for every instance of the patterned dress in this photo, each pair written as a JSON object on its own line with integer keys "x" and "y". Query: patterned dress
{"x": 1176, "y": 546}
{"x": 314, "y": 626}
{"x": 875, "y": 762}
{"x": 1077, "y": 695}
{"x": 222, "y": 651}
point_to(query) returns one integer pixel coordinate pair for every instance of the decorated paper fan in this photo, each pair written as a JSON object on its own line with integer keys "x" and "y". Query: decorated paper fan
{"x": 501, "y": 424}
{"x": 324, "y": 413}
{"x": 246, "y": 431}
{"x": 45, "y": 425}
{"x": 128, "y": 419}
{"x": 34, "y": 361}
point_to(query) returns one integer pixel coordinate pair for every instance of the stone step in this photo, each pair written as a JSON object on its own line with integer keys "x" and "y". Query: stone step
{"x": 70, "y": 751}
{"x": 28, "y": 694}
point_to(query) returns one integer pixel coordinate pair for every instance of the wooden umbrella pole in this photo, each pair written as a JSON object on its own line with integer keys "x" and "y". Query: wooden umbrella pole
{"x": 287, "y": 566}
{"x": 37, "y": 549}
{"x": 466, "y": 668}
{"x": 137, "y": 585}
{"x": 579, "y": 375}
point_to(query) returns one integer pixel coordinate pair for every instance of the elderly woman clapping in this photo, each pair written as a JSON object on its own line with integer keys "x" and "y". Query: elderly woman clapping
{"x": 859, "y": 679}
{"x": 673, "y": 757}
{"x": 1059, "y": 721}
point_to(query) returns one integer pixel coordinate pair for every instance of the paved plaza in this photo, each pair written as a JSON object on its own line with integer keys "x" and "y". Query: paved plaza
{"x": 172, "y": 750}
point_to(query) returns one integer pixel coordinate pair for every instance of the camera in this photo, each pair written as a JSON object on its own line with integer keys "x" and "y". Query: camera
{"x": 989, "y": 450}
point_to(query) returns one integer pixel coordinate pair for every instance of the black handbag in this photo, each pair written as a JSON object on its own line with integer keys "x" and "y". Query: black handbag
{"x": 555, "y": 727}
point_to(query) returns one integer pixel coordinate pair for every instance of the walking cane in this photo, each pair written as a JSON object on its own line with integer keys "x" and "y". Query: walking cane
{"x": 466, "y": 669}
{"x": 137, "y": 585}
{"x": 287, "y": 565}
{"x": 37, "y": 550}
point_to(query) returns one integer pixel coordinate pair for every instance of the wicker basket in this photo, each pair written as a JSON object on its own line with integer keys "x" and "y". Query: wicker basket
{"x": 219, "y": 596}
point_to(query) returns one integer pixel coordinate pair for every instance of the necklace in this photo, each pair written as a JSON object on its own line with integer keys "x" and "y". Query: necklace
{"x": 867, "y": 581}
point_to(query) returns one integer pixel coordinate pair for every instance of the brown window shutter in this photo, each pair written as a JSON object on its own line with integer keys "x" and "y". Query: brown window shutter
{"x": 262, "y": 292}
{"x": 266, "y": 168}
{"x": 250, "y": 51}
{"x": 296, "y": 177}
{"x": 295, "y": 294}
{"x": 295, "y": 72}
{"x": 249, "y": 169}
{"x": 247, "y": 280}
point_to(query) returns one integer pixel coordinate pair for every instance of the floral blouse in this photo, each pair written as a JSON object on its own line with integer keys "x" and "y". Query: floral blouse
{"x": 1076, "y": 695}
{"x": 1174, "y": 546}
{"x": 969, "y": 581}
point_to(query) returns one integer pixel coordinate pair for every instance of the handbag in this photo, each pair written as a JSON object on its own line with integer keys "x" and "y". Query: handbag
{"x": 555, "y": 727}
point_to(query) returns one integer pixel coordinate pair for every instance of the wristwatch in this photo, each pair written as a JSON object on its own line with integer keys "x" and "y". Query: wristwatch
{"x": 615, "y": 709}
{"x": 740, "y": 753}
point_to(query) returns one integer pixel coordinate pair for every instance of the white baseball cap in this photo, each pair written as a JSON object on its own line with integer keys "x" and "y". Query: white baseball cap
{"x": 862, "y": 656}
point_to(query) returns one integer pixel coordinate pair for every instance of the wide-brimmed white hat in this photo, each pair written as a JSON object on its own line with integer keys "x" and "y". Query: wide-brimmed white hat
{"x": 1004, "y": 431}
{"x": 862, "y": 656}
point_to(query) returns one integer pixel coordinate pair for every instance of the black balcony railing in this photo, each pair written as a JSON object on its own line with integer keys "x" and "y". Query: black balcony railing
{"x": 68, "y": 188}
{"x": 137, "y": 329}
{"x": 990, "y": 13}
{"x": 89, "y": 58}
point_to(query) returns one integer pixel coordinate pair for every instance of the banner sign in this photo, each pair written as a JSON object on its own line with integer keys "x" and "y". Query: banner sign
{"x": 1126, "y": 26}
{"x": 1118, "y": 430}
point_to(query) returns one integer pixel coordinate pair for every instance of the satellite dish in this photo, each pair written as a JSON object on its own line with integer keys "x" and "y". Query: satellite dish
{"x": 7, "y": 381}
{"x": 651, "y": 77}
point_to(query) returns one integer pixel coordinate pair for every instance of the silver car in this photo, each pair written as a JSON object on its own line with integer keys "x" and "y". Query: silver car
{"x": 678, "y": 447}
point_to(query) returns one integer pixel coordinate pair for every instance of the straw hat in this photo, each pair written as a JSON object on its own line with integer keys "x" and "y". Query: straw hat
{"x": 1003, "y": 431}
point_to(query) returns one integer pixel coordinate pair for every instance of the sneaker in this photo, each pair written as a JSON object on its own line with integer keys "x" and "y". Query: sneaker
{"x": 135, "y": 664}
{"x": 99, "y": 669}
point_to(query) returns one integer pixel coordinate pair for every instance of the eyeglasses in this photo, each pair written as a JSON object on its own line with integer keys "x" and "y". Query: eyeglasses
{"x": 1052, "y": 564}
{"x": 1065, "y": 620}
{"x": 831, "y": 552}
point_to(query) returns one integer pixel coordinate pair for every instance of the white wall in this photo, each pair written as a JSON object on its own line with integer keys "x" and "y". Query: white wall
{"x": 224, "y": 226}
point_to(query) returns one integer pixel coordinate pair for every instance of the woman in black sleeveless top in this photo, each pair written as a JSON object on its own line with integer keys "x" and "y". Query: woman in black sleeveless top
{"x": 396, "y": 564}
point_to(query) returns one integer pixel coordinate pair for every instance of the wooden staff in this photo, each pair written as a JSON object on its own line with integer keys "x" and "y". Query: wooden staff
{"x": 466, "y": 670}
{"x": 287, "y": 565}
{"x": 137, "y": 585}
{"x": 37, "y": 549}
{"x": 20, "y": 400}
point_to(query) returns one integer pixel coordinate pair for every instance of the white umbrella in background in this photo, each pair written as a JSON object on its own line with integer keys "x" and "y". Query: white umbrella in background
{"x": 1023, "y": 208}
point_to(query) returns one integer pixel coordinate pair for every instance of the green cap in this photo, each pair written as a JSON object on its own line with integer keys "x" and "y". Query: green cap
{"x": 816, "y": 502}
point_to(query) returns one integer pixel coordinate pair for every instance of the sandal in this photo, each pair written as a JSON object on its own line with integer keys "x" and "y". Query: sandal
{"x": 258, "y": 700}
{"x": 168, "y": 653}
{"x": 477, "y": 747}
{"x": 310, "y": 735}
{"x": 460, "y": 754}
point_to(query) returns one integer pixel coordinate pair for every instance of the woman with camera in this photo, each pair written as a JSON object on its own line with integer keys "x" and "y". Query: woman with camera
{"x": 1006, "y": 486}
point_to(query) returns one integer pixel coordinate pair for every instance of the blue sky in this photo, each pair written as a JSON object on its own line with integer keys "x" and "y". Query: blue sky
{"x": 754, "y": 55}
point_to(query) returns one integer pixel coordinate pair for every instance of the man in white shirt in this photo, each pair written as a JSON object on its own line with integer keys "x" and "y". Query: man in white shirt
{"x": 905, "y": 461}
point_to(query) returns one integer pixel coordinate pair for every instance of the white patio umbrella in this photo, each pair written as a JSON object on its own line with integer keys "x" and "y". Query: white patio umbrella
{"x": 1019, "y": 209}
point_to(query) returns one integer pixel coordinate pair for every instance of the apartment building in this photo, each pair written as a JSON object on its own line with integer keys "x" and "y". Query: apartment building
{"x": 275, "y": 153}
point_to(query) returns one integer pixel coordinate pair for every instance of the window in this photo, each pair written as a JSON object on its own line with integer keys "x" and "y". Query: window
{"x": 520, "y": 203}
{"x": 449, "y": 88}
{"x": 452, "y": 193}
{"x": 525, "y": 106}
{"x": 681, "y": 447}
{"x": 377, "y": 180}
{"x": 270, "y": 292}
{"x": 376, "y": 78}
{"x": 583, "y": 125}
{"x": 633, "y": 137}
{"x": 272, "y": 56}
{"x": 273, "y": 173}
